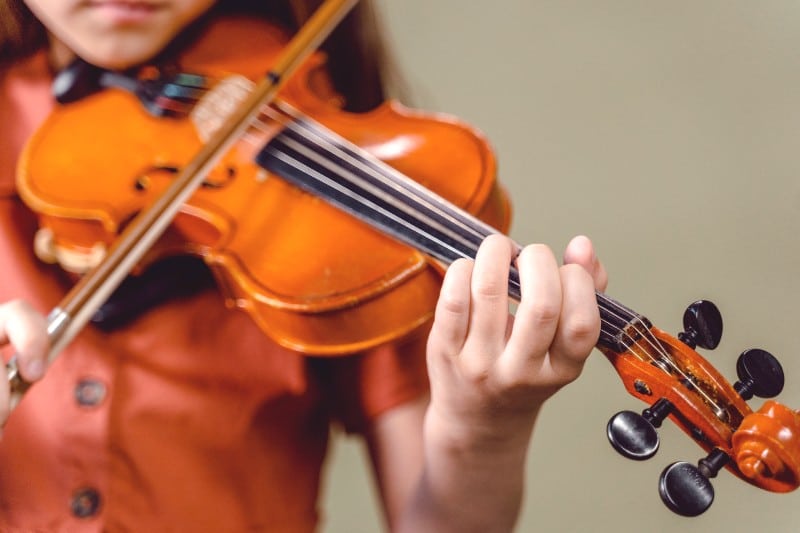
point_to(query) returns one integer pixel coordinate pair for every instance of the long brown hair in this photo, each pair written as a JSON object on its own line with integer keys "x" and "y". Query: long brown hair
{"x": 21, "y": 34}
{"x": 358, "y": 61}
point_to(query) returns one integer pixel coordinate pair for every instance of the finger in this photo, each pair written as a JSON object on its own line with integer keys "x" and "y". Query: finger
{"x": 600, "y": 277}
{"x": 489, "y": 293}
{"x": 539, "y": 308}
{"x": 26, "y": 330}
{"x": 580, "y": 250}
{"x": 579, "y": 326}
{"x": 451, "y": 317}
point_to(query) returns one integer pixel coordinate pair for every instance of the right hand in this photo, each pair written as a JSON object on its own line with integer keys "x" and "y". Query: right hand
{"x": 25, "y": 329}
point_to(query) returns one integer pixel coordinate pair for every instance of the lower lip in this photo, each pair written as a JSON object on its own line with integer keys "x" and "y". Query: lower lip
{"x": 125, "y": 13}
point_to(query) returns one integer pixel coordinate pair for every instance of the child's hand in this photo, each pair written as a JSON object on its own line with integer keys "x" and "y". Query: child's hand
{"x": 26, "y": 331}
{"x": 490, "y": 372}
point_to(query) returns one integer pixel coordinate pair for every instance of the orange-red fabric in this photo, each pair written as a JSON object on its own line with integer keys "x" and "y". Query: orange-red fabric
{"x": 204, "y": 424}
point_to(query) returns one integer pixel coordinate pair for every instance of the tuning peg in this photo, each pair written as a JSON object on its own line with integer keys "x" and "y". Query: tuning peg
{"x": 633, "y": 435}
{"x": 760, "y": 374}
{"x": 686, "y": 489}
{"x": 702, "y": 323}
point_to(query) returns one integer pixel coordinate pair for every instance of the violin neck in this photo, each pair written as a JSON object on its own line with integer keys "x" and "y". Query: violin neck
{"x": 328, "y": 166}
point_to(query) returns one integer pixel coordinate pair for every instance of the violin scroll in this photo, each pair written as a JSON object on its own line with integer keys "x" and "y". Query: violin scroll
{"x": 766, "y": 447}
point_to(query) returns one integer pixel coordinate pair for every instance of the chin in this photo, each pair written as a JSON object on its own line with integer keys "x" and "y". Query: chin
{"x": 119, "y": 56}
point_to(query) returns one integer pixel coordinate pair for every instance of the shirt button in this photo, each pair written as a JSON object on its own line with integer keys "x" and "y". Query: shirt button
{"x": 85, "y": 503}
{"x": 89, "y": 392}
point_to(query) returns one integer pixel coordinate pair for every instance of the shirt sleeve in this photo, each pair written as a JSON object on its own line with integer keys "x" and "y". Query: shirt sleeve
{"x": 361, "y": 387}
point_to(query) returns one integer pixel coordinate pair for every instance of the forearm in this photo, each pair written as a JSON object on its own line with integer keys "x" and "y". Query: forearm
{"x": 472, "y": 478}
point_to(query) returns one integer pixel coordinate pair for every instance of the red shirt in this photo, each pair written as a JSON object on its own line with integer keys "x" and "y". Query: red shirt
{"x": 187, "y": 419}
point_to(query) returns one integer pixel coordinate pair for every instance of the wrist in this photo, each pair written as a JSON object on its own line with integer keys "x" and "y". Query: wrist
{"x": 474, "y": 471}
{"x": 489, "y": 432}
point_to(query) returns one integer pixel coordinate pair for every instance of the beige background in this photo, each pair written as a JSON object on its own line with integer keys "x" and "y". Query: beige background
{"x": 668, "y": 132}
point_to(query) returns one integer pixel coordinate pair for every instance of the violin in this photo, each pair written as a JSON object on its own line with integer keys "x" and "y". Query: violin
{"x": 297, "y": 174}
{"x": 277, "y": 263}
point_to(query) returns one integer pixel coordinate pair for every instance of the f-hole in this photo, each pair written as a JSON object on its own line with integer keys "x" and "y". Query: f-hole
{"x": 218, "y": 178}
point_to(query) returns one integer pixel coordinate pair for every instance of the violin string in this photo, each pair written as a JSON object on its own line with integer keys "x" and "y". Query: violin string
{"x": 368, "y": 163}
{"x": 433, "y": 244}
{"x": 331, "y": 144}
{"x": 330, "y": 147}
{"x": 437, "y": 239}
{"x": 646, "y": 333}
{"x": 616, "y": 309}
{"x": 318, "y": 139}
{"x": 417, "y": 201}
{"x": 643, "y": 332}
{"x": 380, "y": 172}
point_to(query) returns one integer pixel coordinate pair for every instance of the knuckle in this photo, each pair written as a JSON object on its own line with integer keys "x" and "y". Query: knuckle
{"x": 545, "y": 312}
{"x": 475, "y": 373}
{"x": 490, "y": 289}
{"x": 453, "y": 304}
{"x": 582, "y": 328}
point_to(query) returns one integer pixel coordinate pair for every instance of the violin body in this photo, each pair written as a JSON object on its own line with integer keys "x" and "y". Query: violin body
{"x": 313, "y": 278}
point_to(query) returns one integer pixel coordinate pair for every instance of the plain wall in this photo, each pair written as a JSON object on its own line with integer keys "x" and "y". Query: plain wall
{"x": 668, "y": 132}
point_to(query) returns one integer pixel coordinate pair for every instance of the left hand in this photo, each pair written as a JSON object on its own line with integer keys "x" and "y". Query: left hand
{"x": 490, "y": 371}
